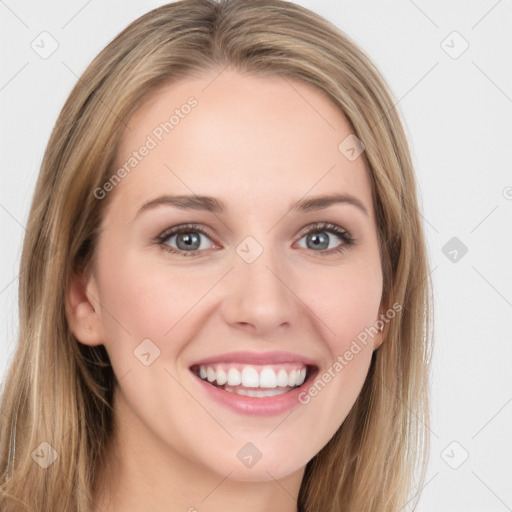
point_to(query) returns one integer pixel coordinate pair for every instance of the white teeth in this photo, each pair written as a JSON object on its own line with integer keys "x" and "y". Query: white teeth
{"x": 234, "y": 377}
{"x": 282, "y": 378}
{"x": 268, "y": 378}
{"x": 222, "y": 377}
{"x": 210, "y": 374}
{"x": 250, "y": 378}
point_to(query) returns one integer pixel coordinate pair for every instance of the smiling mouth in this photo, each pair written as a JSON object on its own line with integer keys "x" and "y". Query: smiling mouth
{"x": 255, "y": 380}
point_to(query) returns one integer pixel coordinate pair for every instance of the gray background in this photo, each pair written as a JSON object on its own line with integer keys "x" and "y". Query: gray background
{"x": 456, "y": 106}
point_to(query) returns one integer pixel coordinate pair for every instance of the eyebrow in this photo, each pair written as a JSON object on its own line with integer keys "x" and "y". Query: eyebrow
{"x": 214, "y": 205}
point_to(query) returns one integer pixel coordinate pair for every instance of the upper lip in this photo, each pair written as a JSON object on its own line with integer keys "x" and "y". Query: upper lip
{"x": 256, "y": 358}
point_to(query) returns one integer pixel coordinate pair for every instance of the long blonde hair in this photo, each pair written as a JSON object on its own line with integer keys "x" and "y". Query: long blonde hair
{"x": 59, "y": 391}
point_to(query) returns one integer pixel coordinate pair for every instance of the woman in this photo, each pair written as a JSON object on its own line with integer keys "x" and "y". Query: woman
{"x": 184, "y": 345}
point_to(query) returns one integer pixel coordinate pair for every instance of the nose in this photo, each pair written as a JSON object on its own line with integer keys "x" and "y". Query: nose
{"x": 259, "y": 296}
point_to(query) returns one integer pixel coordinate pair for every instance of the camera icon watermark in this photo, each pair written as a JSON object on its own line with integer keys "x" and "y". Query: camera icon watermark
{"x": 454, "y": 45}
{"x": 455, "y": 455}
{"x": 147, "y": 352}
{"x": 45, "y": 45}
{"x": 249, "y": 455}
{"x": 249, "y": 249}
{"x": 45, "y": 455}
{"x": 454, "y": 249}
{"x": 351, "y": 147}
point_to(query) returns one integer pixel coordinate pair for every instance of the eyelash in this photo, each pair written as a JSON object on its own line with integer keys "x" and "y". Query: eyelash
{"x": 347, "y": 239}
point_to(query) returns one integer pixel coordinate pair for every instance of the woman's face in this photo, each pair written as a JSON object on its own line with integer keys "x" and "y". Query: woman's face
{"x": 251, "y": 289}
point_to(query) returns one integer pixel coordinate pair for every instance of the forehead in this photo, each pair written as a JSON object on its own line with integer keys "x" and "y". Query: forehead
{"x": 240, "y": 137}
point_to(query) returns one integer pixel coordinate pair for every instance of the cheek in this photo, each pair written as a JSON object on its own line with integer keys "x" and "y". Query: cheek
{"x": 143, "y": 301}
{"x": 346, "y": 301}
{"x": 346, "y": 306}
{"x": 149, "y": 298}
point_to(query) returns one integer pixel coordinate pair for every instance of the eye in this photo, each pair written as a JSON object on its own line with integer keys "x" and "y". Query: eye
{"x": 318, "y": 238}
{"x": 187, "y": 238}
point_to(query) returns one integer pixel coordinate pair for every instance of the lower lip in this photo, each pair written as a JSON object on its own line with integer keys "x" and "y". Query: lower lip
{"x": 256, "y": 406}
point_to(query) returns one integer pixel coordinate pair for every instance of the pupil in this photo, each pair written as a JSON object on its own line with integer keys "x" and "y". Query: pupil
{"x": 320, "y": 240}
{"x": 189, "y": 239}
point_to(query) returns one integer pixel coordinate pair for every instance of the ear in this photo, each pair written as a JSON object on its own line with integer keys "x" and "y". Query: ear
{"x": 83, "y": 310}
{"x": 382, "y": 325}
{"x": 377, "y": 340}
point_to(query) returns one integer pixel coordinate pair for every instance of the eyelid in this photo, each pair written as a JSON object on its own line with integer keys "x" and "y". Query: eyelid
{"x": 321, "y": 226}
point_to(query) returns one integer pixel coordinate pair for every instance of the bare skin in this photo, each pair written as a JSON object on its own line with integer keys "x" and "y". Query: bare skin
{"x": 258, "y": 145}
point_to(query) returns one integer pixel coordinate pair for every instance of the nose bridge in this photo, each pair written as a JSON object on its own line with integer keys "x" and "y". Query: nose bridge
{"x": 258, "y": 293}
{"x": 262, "y": 268}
